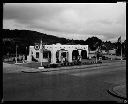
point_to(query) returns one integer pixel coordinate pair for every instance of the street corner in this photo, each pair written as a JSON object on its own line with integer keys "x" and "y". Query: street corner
{"x": 118, "y": 91}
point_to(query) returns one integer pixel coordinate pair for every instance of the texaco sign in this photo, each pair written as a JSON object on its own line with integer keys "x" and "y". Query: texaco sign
{"x": 37, "y": 47}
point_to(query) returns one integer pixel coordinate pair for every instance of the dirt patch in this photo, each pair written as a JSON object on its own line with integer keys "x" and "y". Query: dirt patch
{"x": 12, "y": 68}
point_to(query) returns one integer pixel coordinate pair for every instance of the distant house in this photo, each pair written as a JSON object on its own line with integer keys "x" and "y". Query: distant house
{"x": 112, "y": 52}
{"x": 91, "y": 53}
{"x": 104, "y": 51}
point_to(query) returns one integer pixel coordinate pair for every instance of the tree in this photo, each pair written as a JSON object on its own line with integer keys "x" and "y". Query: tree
{"x": 119, "y": 46}
{"x": 93, "y": 42}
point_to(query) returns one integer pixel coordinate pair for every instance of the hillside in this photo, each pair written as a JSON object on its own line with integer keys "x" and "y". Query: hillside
{"x": 24, "y": 38}
{"x": 31, "y": 37}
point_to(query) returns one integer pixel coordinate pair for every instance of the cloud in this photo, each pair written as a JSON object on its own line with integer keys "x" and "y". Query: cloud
{"x": 81, "y": 20}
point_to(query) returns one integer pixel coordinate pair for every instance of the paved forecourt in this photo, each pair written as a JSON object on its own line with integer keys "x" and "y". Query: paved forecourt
{"x": 78, "y": 84}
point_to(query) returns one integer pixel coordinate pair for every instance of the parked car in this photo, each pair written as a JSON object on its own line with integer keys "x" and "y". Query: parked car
{"x": 104, "y": 58}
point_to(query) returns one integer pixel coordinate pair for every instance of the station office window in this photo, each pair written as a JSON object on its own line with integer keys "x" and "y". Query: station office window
{"x": 45, "y": 54}
{"x": 37, "y": 54}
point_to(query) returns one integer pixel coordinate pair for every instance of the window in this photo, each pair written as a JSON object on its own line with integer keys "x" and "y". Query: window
{"x": 37, "y": 54}
{"x": 63, "y": 54}
{"x": 45, "y": 54}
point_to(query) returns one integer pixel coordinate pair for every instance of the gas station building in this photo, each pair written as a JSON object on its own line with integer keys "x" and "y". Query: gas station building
{"x": 56, "y": 52}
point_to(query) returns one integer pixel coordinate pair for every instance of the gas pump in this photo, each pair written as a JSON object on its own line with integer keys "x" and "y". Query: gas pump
{"x": 63, "y": 56}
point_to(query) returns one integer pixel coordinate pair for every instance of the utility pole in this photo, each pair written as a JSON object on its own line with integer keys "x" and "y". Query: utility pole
{"x": 121, "y": 48}
{"x": 119, "y": 40}
{"x": 16, "y": 53}
{"x": 96, "y": 56}
{"x": 121, "y": 52}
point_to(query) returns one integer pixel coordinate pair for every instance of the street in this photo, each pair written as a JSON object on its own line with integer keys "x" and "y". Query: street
{"x": 65, "y": 85}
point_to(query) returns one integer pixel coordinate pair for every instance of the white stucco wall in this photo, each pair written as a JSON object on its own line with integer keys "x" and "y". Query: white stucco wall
{"x": 53, "y": 48}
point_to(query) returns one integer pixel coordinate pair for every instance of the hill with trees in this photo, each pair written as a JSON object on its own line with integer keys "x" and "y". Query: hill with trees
{"x": 24, "y": 38}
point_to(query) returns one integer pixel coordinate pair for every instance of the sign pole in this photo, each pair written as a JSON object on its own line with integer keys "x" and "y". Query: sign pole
{"x": 41, "y": 56}
{"x": 41, "y": 53}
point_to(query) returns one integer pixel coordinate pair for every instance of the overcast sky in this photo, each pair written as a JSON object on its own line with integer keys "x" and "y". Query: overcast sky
{"x": 107, "y": 21}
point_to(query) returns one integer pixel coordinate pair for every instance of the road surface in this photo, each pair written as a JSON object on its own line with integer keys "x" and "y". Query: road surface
{"x": 65, "y": 85}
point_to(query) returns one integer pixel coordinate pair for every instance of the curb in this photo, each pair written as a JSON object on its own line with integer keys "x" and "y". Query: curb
{"x": 69, "y": 68}
{"x": 113, "y": 93}
{"x": 35, "y": 71}
{"x": 30, "y": 71}
{"x": 75, "y": 67}
{"x": 64, "y": 68}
